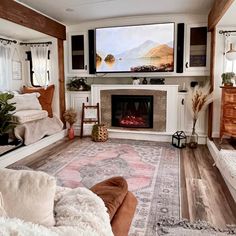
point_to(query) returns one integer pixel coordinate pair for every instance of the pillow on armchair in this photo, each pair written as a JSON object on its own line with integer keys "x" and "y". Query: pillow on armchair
{"x": 28, "y": 195}
{"x": 46, "y": 96}
{"x": 27, "y": 102}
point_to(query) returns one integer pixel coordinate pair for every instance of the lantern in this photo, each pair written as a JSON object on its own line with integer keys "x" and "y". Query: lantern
{"x": 179, "y": 139}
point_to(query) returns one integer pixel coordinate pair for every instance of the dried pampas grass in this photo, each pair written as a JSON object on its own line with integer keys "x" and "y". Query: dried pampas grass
{"x": 198, "y": 99}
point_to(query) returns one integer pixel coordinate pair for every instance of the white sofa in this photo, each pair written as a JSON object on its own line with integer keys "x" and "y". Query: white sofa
{"x": 226, "y": 163}
{"x": 29, "y": 199}
{"x": 33, "y": 122}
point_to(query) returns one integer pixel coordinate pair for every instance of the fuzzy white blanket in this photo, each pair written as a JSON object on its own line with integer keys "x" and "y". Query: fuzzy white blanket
{"x": 79, "y": 212}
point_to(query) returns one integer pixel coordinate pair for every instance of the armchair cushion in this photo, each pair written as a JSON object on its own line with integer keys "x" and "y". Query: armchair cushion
{"x": 29, "y": 115}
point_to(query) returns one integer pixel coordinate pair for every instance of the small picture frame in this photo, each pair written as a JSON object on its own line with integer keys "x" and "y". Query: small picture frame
{"x": 16, "y": 70}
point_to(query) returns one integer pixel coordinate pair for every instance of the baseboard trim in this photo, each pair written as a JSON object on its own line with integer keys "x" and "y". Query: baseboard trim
{"x": 213, "y": 150}
{"x": 25, "y": 151}
{"x": 147, "y": 135}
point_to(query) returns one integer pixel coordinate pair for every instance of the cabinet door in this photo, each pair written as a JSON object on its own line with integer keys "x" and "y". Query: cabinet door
{"x": 78, "y": 52}
{"x": 75, "y": 101}
{"x": 185, "y": 120}
{"x": 197, "y": 49}
{"x": 181, "y": 111}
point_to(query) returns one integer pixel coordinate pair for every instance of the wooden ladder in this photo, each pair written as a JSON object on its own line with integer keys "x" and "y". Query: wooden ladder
{"x": 90, "y": 115}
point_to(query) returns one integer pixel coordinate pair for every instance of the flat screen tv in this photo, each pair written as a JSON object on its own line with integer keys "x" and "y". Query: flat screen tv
{"x": 137, "y": 48}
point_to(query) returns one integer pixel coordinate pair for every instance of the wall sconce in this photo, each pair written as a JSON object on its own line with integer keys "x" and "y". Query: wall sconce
{"x": 231, "y": 54}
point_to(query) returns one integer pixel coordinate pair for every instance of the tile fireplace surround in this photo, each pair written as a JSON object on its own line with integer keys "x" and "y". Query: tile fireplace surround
{"x": 165, "y": 115}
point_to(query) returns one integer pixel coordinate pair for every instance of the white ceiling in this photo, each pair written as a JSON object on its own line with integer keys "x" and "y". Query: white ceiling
{"x": 229, "y": 18}
{"x": 87, "y": 10}
{"x": 15, "y": 31}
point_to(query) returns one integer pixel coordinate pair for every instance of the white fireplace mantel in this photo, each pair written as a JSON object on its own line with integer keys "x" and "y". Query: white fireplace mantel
{"x": 172, "y": 101}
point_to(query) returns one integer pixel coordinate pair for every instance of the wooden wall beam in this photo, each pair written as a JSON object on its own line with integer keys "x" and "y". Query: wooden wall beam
{"x": 19, "y": 14}
{"x": 217, "y": 12}
{"x": 61, "y": 78}
{"x": 212, "y": 75}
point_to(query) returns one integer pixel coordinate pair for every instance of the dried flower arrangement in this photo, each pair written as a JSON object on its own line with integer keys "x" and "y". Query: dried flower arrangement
{"x": 198, "y": 99}
{"x": 70, "y": 116}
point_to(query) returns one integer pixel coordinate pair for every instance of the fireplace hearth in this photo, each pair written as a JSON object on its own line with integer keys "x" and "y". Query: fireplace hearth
{"x": 132, "y": 111}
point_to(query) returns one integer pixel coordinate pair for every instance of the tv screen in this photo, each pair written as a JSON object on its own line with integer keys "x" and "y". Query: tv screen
{"x": 138, "y": 48}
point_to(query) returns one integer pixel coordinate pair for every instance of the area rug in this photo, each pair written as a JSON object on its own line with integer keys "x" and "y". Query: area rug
{"x": 150, "y": 168}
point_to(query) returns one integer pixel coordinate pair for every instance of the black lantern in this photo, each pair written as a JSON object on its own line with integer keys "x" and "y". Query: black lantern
{"x": 179, "y": 139}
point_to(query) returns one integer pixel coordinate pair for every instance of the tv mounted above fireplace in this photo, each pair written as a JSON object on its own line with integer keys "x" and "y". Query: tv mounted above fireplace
{"x": 137, "y": 48}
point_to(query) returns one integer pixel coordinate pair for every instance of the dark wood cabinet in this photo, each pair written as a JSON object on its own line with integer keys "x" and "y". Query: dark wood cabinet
{"x": 228, "y": 112}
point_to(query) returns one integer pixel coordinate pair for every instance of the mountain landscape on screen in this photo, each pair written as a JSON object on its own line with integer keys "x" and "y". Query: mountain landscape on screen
{"x": 146, "y": 56}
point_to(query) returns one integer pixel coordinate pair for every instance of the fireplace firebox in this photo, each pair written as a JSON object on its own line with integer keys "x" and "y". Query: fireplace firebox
{"x": 132, "y": 111}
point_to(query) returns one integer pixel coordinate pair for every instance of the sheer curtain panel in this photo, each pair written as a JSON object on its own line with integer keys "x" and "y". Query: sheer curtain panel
{"x": 5, "y": 68}
{"x": 40, "y": 64}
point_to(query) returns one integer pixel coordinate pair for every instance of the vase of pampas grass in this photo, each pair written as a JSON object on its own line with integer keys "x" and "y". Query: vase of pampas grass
{"x": 70, "y": 117}
{"x": 198, "y": 99}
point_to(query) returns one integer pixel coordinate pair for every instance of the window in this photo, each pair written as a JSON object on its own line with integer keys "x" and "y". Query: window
{"x": 230, "y": 66}
{"x": 33, "y": 80}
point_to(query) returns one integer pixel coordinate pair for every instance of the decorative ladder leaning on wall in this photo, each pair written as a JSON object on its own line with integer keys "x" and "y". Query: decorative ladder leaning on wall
{"x": 90, "y": 115}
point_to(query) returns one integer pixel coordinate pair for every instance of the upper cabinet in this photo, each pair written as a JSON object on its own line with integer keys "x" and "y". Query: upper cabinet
{"x": 196, "y": 61}
{"x": 197, "y": 51}
{"x": 78, "y": 52}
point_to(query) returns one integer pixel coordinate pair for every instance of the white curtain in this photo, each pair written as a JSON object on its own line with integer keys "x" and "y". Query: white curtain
{"x": 39, "y": 55}
{"x": 5, "y": 68}
{"x": 230, "y": 66}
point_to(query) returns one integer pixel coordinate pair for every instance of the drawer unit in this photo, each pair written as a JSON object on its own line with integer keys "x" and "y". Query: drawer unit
{"x": 228, "y": 112}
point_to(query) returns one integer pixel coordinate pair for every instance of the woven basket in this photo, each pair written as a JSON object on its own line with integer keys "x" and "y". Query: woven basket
{"x": 99, "y": 133}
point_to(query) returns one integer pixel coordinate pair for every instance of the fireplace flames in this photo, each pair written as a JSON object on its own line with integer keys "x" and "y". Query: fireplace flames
{"x": 132, "y": 121}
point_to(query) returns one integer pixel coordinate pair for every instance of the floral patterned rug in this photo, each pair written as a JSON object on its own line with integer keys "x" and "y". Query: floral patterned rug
{"x": 150, "y": 168}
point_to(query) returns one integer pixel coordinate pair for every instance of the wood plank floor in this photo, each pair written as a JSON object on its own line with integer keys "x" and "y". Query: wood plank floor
{"x": 203, "y": 191}
{"x": 204, "y": 194}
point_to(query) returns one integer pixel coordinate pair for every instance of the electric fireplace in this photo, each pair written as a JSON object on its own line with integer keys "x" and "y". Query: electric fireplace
{"x": 132, "y": 111}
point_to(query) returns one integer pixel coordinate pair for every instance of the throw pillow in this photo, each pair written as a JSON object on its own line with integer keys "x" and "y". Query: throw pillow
{"x": 26, "y": 102}
{"x": 28, "y": 195}
{"x": 2, "y": 211}
{"x": 46, "y": 96}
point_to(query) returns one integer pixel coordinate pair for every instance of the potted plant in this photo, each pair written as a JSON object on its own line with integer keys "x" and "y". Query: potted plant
{"x": 70, "y": 117}
{"x": 78, "y": 84}
{"x": 227, "y": 78}
{"x": 198, "y": 99}
{"x": 6, "y": 113}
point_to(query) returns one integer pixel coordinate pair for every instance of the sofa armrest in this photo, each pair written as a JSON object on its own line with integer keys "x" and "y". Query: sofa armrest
{"x": 123, "y": 218}
{"x": 113, "y": 192}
